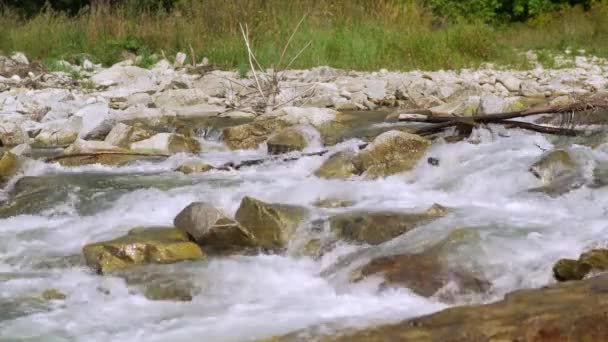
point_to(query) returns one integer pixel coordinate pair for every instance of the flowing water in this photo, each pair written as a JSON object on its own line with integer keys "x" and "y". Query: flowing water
{"x": 251, "y": 297}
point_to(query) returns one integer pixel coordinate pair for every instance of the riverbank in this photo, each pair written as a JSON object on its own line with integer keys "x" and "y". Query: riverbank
{"x": 346, "y": 35}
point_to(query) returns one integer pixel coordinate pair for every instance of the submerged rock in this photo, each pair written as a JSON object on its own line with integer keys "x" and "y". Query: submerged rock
{"x": 194, "y": 167}
{"x": 139, "y": 247}
{"x": 251, "y": 135}
{"x": 424, "y": 273}
{"x": 211, "y": 229}
{"x": 53, "y": 294}
{"x": 390, "y": 153}
{"x": 595, "y": 260}
{"x": 271, "y": 225}
{"x": 167, "y": 143}
{"x": 376, "y": 228}
{"x": 156, "y": 282}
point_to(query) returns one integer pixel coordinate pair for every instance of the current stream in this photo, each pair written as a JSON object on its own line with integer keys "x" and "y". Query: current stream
{"x": 245, "y": 298}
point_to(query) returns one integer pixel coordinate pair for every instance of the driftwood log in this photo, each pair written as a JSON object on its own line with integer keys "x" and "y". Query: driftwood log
{"x": 440, "y": 123}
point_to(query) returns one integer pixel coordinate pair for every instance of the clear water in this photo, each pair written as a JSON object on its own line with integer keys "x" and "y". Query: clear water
{"x": 247, "y": 298}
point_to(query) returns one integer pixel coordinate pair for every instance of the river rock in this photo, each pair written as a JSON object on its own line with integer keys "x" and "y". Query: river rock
{"x": 595, "y": 260}
{"x": 91, "y": 146}
{"x": 8, "y": 167}
{"x": 139, "y": 247}
{"x": 120, "y": 135}
{"x": 287, "y": 140}
{"x": 390, "y": 153}
{"x": 12, "y": 134}
{"x": 376, "y": 228}
{"x": 211, "y": 229}
{"x": 271, "y": 225}
{"x": 340, "y": 165}
{"x": 573, "y": 311}
{"x": 59, "y": 133}
{"x": 160, "y": 282}
{"x": 428, "y": 271}
{"x": 303, "y": 116}
{"x": 126, "y": 79}
{"x": 553, "y": 165}
{"x": 194, "y": 167}
{"x": 251, "y": 135}
{"x": 167, "y": 143}
{"x": 510, "y": 82}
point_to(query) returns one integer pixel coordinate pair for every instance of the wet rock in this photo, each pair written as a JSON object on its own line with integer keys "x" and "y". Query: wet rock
{"x": 272, "y": 225}
{"x": 391, "y": 153}
{"x": 573, "y": 311}
{"x": 139, "y": 247}
{"x": 159, "y": 283}
{"x": 211, "y": 229}
{"x": 333, "y": 203}
{"x": 12, "y": 134}
{"x": 251, "y": 135}
{"x": 553, "y": 165}
{"x": 339, "y": 165}
{"x": 194, "y": 167}
{"x": 8, "y": 167}
{"x": 376, "y": 228}
{"x": 287, "y": 140}
{"x": 53, "y": 294}
{"x": 167, "y": 143}
{"x": 424, "y": 273}
{"x": 595, "y": 260}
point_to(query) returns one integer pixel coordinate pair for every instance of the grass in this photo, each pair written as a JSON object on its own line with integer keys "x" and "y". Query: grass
{"x": 354, "y": 34}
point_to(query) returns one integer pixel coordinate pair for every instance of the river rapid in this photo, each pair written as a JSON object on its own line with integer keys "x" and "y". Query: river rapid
{"x": 239, "y": 298}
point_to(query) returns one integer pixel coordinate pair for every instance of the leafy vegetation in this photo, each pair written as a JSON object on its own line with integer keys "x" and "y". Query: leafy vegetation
{"x": 354, "y": 34}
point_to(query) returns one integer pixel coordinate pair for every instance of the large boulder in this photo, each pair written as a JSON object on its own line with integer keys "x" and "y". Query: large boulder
{"x": 125, "y": 80}
{"x": 271, "y": 225}
{"x": 12, "y": 134}
{"x": 390, "y": 153}
{"x": 377, "y": 227}
{"x": 210, "y": 228}
{"x": 251, "y": 135}
{"x": 167, "y": 143}
{"x": 139, "y": 247}
{"x": 595, "y": 260}
{"x": 90, "y": 146}
{"x": 340, "y": 165}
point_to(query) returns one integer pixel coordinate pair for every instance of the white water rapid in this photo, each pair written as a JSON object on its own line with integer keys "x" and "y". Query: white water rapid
{"x": 245, "y": 298}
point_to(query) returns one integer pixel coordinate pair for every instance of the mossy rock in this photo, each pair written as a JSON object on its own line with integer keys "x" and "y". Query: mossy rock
{"x": 391, "y": 153}
{"x": 271, "y": 225}
{"x": 139, "y": 247}
{"x": 338, "y": 166}
{"x": 286, "y": 140}
{"x": 211, "y": 229}
{"x": 595, "y": 260}
{"x": 104, "y": 158}
{"x": 194, "y": 167}
{"x": 251, "y": 135}
{"x": 553, "y": 165}
{"x": 53, "y": 294}
{"x": 9, "y": 164}
{"x": 377, "y": 227}
{"x": 159, "y": 283}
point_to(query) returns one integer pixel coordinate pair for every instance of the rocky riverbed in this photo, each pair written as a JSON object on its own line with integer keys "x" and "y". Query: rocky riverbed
{"x": 186, "y": 203}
